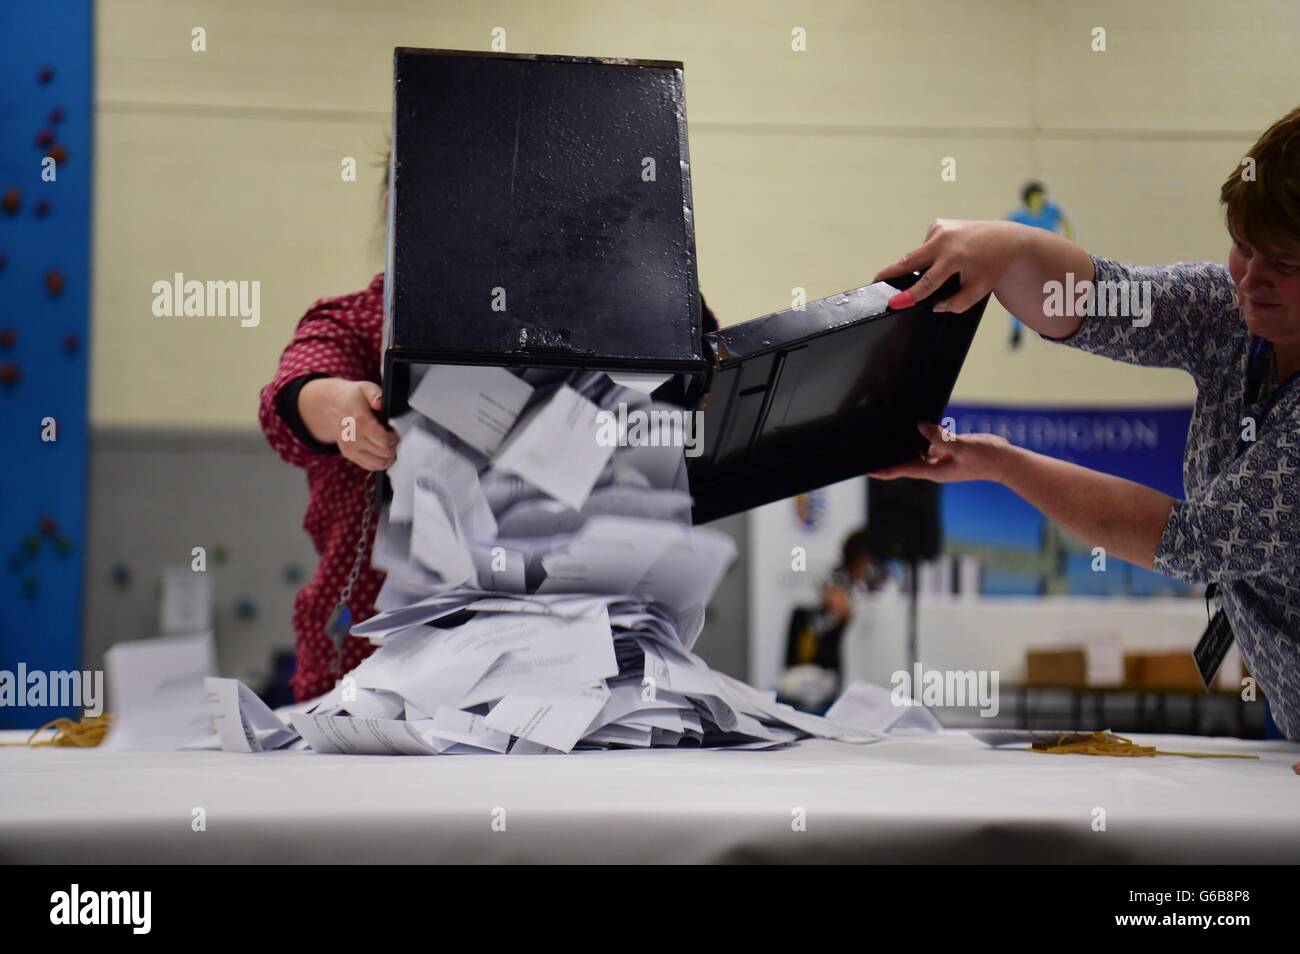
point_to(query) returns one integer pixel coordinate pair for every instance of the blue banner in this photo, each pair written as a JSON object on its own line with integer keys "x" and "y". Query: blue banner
{"x": 1023, "y": 553}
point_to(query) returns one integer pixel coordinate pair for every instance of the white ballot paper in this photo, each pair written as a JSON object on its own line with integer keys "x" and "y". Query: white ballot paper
{"x": 460, "y": 728}
{"x": 542, "y": 650}
{"x": 544, "y": 517}
{"x": 421, "y": 454}
{"x": 543, "y": 591}
{"x": 499, "y": 568}
{"x": 476, "y": 403}
{"x": 371, "y": 703}
{"x": 555, "y": 448}
{"x": 1000, "y": 737}
{"x": 643, "y": 383}
{"x": 556, "y": 718}
{"x": 243, "y": 721}
{"x": 437, "y": 541}
{"x": 616, "y": 554}
{"x": 343, "y": 735}
{"x": 871, "y": 707}
{"x": 156, "y": 692}
{"x": 427, "y": 666}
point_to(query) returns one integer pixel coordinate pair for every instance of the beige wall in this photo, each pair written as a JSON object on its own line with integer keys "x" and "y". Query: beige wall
{"x": 810, "y": 169}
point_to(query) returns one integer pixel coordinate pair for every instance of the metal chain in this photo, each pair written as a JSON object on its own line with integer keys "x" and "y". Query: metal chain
{"x": 367, "y": 497}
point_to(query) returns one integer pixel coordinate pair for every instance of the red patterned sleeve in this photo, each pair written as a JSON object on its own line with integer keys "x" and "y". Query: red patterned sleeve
{"x": 325, "y": 343}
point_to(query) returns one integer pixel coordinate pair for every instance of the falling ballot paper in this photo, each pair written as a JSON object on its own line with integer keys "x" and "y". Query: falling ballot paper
{"x": 544, "y": 591}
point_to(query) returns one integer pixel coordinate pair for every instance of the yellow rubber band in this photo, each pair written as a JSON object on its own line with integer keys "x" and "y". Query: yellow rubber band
{"x": 1107, "y": 743}
{"x": 85, "y": 734}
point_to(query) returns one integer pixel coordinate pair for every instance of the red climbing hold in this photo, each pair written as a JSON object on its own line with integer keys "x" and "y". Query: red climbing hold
{"x": 9, "y": 374}
{"x": 45, "y": 137}
{"x": 8, "y": 338}
{"x": 12, "y": 201}
{"x": 54, "y": 282}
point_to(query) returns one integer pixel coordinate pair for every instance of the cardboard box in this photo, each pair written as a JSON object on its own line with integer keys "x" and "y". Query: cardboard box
{"x": 1161, "y": 671}
{"x": 1056, "y": 667}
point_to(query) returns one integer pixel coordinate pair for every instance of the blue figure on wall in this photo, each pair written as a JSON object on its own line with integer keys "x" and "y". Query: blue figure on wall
{"x": 1040, "y": 212}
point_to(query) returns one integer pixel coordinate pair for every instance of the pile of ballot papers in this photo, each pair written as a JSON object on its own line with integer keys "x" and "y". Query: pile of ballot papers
{"x": 545, "y": 587}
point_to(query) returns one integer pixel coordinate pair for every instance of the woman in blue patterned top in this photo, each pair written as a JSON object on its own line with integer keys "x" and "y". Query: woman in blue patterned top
{"x": 1235, "y": 330}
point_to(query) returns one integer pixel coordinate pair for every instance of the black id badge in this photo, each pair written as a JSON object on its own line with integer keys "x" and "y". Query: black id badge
{"x": 1214, "y": 644}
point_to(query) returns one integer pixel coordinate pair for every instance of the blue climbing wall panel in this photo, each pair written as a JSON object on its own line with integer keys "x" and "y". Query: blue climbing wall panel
{"x": 46, "y": 78}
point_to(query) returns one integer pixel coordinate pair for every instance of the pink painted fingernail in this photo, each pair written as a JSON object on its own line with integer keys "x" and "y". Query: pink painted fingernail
{"x": 904, "y": 299}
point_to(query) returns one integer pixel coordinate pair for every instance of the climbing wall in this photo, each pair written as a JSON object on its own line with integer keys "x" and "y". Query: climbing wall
{"x": 45, "y": 182}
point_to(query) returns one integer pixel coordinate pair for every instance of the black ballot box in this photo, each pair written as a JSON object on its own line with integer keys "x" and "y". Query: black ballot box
{"x": 540, "y": 216}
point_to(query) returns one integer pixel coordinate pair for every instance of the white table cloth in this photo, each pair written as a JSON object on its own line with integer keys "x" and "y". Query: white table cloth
{"x": 944, "y": 798}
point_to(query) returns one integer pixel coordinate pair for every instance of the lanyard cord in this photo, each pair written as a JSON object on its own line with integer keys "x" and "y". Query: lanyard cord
{"x": 1262, "y": 364}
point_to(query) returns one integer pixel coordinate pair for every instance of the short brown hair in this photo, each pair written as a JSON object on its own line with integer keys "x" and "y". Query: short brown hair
{"x": 1263, "y": 210}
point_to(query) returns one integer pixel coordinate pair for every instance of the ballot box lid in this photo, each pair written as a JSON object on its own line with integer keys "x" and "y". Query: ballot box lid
{"x": 808, "y": 397}
{"x": 540, "y": 213}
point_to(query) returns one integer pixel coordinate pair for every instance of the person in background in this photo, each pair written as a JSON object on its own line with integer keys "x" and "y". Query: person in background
{"x": 1040, "y": 212}
{"x": 814, "y": 667}
{"x": 1235, "y": 329}
{"x": 320, "y": 413}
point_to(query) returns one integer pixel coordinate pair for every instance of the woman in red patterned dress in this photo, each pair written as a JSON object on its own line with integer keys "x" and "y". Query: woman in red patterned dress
{"x": 319, "y": 413}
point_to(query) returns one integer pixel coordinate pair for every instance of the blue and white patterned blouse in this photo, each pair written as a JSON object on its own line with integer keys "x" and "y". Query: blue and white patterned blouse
{"x": 1239, "y": 523}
